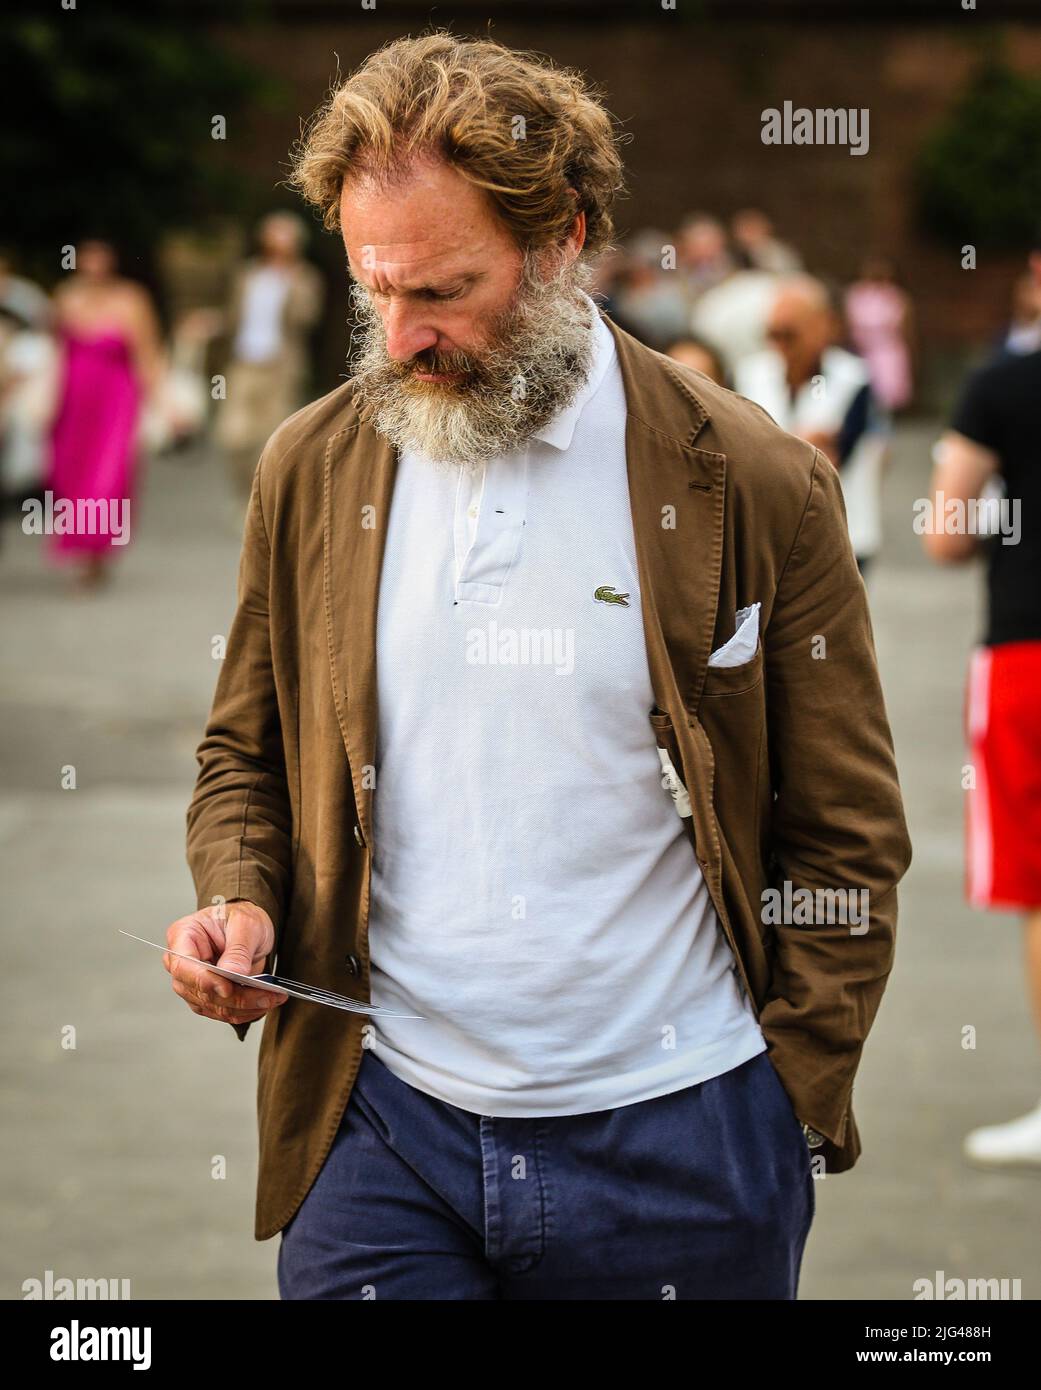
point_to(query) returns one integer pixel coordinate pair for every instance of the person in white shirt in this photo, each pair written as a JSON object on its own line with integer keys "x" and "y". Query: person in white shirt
{"x": 275, "y": 302}
{"x": 822, "y": 393}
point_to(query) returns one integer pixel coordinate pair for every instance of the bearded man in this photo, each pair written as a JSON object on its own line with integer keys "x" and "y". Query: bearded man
{"x": 601, "y": 1071}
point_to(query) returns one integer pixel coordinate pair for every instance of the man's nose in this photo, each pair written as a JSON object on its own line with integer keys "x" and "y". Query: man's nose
{"x": 407, "y": 334}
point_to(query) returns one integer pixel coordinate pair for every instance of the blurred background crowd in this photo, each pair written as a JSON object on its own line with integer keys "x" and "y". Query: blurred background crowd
{"x": 89, "y": 380}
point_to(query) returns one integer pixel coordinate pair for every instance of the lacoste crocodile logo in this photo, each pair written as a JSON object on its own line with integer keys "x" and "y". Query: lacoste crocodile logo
{"x": 606, "y": 594}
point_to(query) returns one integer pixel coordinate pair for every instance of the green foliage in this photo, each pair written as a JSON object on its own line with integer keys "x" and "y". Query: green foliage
{"x": 979, "y": 173}
{"x": 109, "y": 126}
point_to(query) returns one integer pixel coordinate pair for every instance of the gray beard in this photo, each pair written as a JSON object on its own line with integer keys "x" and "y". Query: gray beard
{"x": 539, "y": 355}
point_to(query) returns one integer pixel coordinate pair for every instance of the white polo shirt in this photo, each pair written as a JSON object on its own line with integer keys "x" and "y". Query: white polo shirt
{"x": 534, "y": 894}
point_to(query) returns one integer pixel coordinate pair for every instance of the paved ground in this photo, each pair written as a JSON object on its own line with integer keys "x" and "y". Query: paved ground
{"x": 109, "y": 1147}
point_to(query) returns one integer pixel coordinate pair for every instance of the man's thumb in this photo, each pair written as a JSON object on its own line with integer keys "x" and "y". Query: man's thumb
{"x": 240, "y": 944}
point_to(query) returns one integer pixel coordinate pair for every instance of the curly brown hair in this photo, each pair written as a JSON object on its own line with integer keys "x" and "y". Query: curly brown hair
{"x": 535, "y": 136}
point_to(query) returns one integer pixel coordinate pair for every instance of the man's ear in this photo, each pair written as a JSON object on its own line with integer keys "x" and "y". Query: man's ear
{"x": 553, "y": 258}
{"x": 576, "y": 237}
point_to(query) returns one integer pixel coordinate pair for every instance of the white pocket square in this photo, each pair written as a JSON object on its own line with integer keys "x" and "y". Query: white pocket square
{"x": 742, "y": 645}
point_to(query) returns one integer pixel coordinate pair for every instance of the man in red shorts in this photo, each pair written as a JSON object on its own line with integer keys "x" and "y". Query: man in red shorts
{"x": 989, "y": 475}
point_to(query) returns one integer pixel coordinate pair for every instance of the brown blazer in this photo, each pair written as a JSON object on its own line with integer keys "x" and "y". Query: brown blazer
{"x": 788, "y": 759}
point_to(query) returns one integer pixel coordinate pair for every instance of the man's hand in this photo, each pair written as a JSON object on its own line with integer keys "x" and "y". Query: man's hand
{"x": 237, "y": 936}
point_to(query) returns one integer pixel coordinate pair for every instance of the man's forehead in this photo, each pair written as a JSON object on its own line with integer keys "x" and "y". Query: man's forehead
{"x": 431, "y": 223}
{"x": 398, "y": 253}
{"x": 407, "y": 261}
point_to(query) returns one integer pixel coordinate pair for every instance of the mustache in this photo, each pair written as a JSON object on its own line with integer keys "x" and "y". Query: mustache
{"x": 440, "y": 364}
{"x": 472, "y": 369}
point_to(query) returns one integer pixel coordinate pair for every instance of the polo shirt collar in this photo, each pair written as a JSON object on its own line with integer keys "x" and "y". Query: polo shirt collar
{"x": 560, "y": 430}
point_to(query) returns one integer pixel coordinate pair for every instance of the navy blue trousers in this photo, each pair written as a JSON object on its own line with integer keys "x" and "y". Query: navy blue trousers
{"x": 706, "y": 1193}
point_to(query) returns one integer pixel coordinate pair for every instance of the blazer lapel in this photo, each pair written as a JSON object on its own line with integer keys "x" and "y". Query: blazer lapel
{"x": 360, "y": 467}
{"x": 676, "y": 494}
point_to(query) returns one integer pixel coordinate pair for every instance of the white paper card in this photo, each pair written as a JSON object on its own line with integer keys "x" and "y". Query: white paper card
{"x": 672, "y": 784}
{"x": 280, "y": 985}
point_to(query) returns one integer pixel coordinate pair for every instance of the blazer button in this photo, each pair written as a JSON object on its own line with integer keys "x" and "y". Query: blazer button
{"x": 353, "y": 965}
{"x": 357, "y": 834}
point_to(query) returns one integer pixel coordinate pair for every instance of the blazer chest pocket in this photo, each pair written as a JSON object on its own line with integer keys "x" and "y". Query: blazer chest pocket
{"x": 734, "y": 680}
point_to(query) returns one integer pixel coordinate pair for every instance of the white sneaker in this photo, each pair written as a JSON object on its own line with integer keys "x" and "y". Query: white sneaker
{"x": 1016, "y": 1144}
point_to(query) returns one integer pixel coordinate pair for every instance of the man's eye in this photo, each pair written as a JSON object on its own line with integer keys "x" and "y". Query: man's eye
{"x": 437, "y": 295}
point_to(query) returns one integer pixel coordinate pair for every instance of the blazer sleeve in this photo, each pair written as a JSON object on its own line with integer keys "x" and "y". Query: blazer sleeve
{"x": 837, "y": 820}
{"x": 239, "y": 840}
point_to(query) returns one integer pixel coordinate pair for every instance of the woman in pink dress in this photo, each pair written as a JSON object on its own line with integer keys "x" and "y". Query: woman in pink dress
{"x": 108, "y": 335}
{"x": 878, "y": 313}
